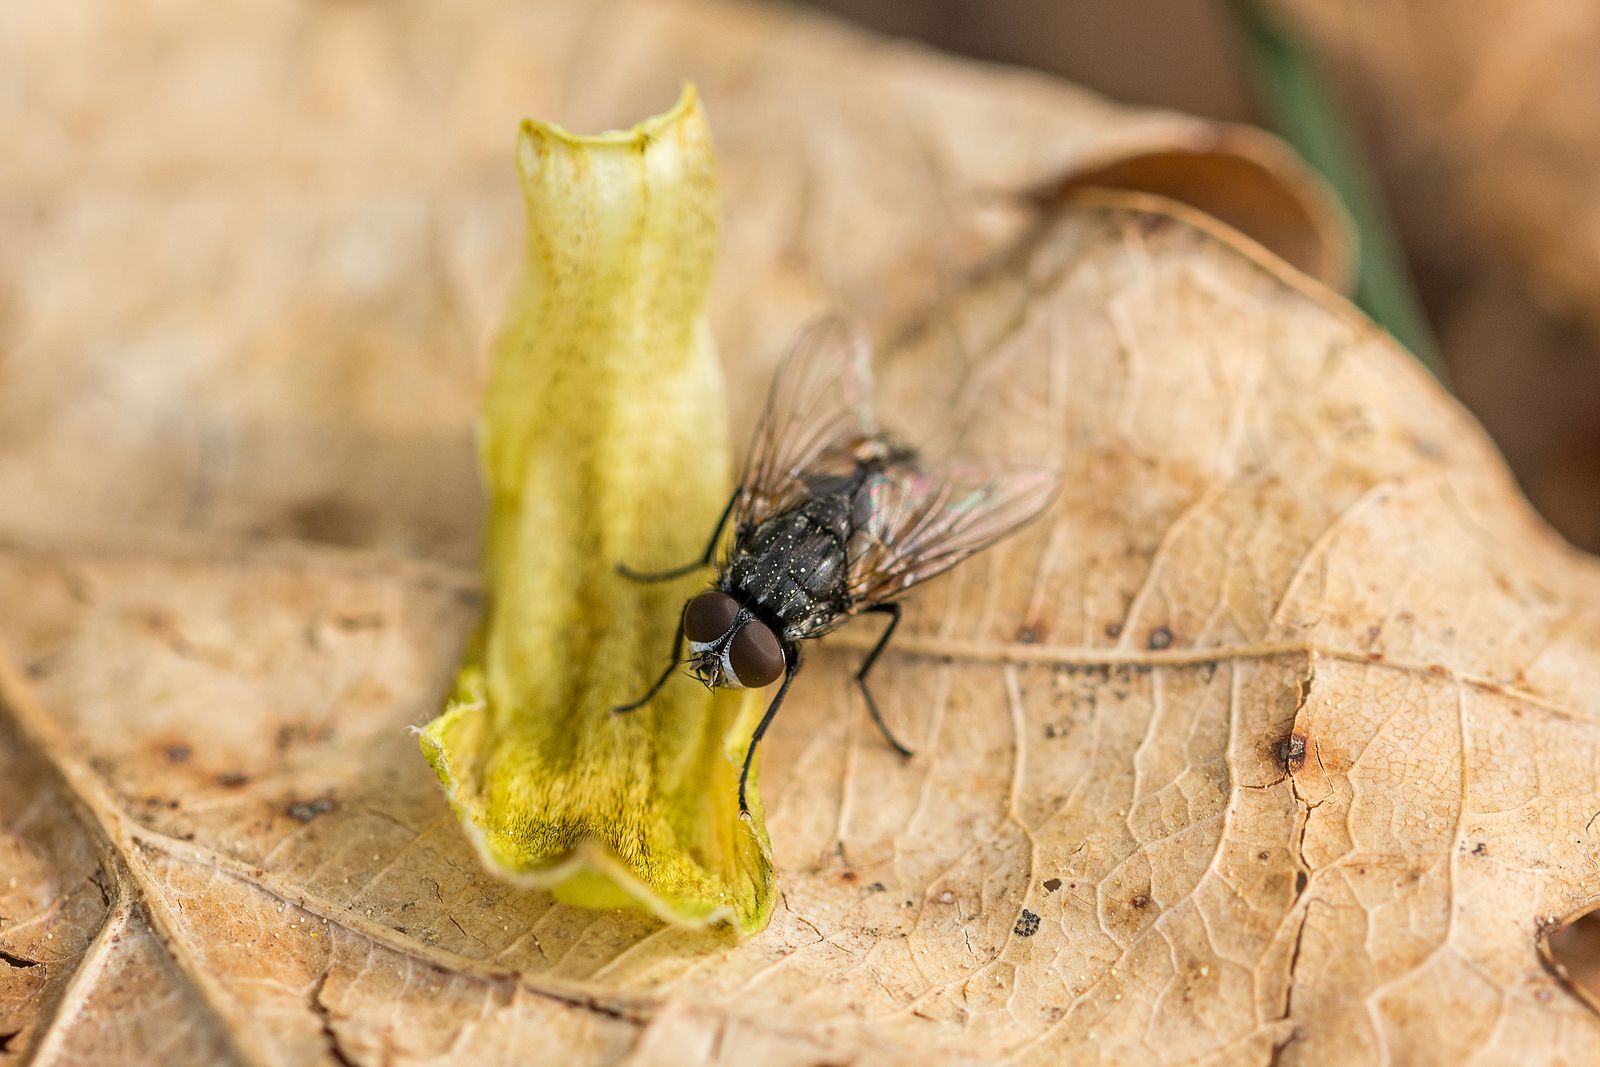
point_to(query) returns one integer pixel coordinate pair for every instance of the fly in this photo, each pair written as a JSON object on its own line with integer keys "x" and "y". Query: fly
{"x": 832, "y": 518}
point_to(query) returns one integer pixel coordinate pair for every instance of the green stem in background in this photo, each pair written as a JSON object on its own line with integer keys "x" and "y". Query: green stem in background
{"x": 1302, "y": 109}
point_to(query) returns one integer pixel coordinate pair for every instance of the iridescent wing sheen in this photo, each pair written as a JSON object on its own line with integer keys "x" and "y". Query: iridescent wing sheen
{"x": 913, "y": 523}
{"x": 819, "y": 410}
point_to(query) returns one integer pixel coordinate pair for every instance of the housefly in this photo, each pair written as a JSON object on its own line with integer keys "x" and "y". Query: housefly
{"x": 832, "y": 518}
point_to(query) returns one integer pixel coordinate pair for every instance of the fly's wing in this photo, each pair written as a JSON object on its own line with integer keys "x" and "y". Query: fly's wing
{"x": 914, "y": 523}
{"x": 819, "y": 408}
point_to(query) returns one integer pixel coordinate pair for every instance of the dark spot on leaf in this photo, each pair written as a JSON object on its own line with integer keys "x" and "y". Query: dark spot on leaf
{"x": 1263, "y": 855}
{"x": 1290, "y": 752}
{"x": 1427, "y": 448}
{"x": 1027, "y": 924}
{"x": 1030, "y": 633}
{"x": 1140, "y": 901}
{"x": 1052, "y": 884}
{"x": 1150, "y": 224}
{"x": 1160, "y": 638}
{"x": 14, "y": 960}
{"x": 328, "y": 519}
{"x": 1480, "y": 848}
{"x": 1113, "y": 629}
{"x": 178, "y": 753}
{"x": 305, "y": 811}
{"x": 1093, "y": 670}
{"x": 232, "y": 779}
{"x": 848, "y": 876}
{"x": 877, "y": 887}
{"x": 1300, "y": 881}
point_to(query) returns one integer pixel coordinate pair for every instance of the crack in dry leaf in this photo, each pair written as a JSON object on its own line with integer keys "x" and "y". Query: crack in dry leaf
{"x": 101, "y": 820}
{"x": 138, "y": 837}
{"x": 636, "y": 1011}
{"x": 84, "y": 975}
{"x": 325, "y": 1019}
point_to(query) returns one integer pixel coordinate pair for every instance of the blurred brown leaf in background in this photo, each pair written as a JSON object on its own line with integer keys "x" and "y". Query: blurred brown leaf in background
{"x": 1482, "y": 121}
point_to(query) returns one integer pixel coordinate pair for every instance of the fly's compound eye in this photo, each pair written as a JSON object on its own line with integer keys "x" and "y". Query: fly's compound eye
{"x": 708, "y": 616}
{"x": 755, "y": 655}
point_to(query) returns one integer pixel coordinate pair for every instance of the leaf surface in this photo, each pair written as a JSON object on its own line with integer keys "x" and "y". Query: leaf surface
{"x": 1274, "y": 741}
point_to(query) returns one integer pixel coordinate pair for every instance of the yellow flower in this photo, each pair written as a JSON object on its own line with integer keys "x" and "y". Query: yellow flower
{"x": 605, "y": 440}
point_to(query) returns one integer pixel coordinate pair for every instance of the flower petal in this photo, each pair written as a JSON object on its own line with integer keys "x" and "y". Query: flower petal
{"x": 605, "y": 440}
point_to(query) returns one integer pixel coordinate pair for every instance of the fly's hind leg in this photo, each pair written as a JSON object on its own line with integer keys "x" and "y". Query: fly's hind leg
{"x": 893, "y": 611}
{"x": 688, "y": 568}
{"x": 677, "y": 657}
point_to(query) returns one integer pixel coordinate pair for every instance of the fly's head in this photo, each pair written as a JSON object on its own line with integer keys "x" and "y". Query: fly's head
{"x": 728, "y": 646}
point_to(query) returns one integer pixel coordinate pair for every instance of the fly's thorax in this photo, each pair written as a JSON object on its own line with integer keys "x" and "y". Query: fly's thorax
{"x": 793, "y": 567}
{"x": 728, "y": 646}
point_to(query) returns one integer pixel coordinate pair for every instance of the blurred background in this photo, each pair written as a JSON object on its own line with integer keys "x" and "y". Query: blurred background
{"x": 1470, "y": 132}
{"x": 332, "y": 178}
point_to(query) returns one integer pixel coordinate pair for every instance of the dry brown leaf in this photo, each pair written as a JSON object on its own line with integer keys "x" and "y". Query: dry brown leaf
{"x": 1483, "y": 119}
{"x": 1277, "y": 729}
{"x": 1503, "y": 99}
{"x": 260, "y": 288}
{"x": 1276, "y": 742}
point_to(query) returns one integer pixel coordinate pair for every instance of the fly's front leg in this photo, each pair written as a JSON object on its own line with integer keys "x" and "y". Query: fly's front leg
{"x": 893, "y": 611}
{"x": 791, "y": 656}
{"x": 677, "y": 657}
{"x": 688, "y": 568}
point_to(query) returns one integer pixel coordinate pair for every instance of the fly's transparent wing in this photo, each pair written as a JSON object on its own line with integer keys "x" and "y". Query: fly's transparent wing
{"x": 818, "y": 412}
{"x": 913, "y": 523}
